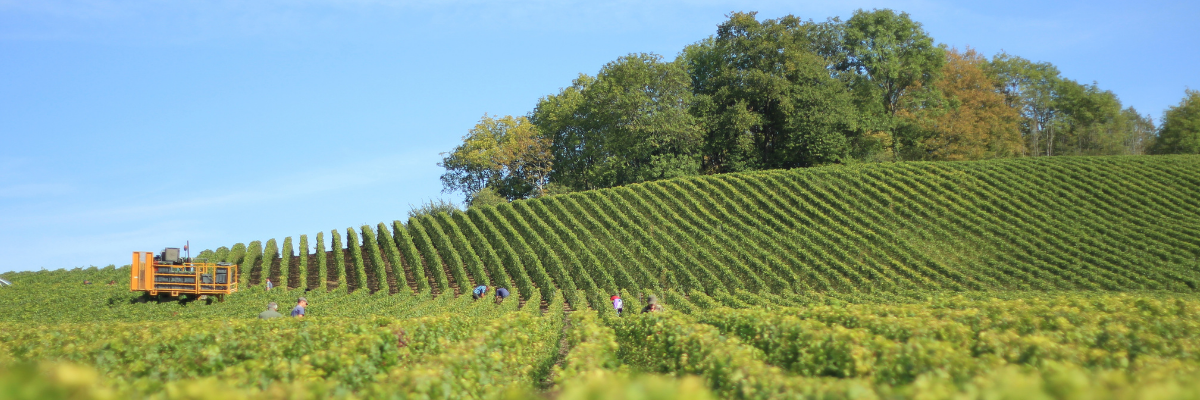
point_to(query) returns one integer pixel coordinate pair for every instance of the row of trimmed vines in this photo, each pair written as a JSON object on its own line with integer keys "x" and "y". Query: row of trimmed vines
{"x": 1062, "y": 223}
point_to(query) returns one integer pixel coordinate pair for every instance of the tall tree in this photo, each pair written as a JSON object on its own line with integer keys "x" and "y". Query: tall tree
{"x": 766, "y": 98}
{"x": 1140, "y": 132}
{"x": 507, "y": 154}
{"x": 1180, "y": 132}
{"x": 973, "y": 121}
{"x": 631, "y": 123}
{"x": 1031, "y": 88}
{"x": 893, "y": 57}
{"x": 1092, "y": 121}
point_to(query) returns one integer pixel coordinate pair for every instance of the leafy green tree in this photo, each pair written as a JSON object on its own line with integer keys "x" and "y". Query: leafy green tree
{"x": 553, "y": 189}
{"x": 432, "y": 207}
{"x": 1091, "y": 119}
{"x": 1062, "y": 116}
{"x": 486, "y": 197}
{"x": 893, "y": 59}
{"x": 766, "y": 98}
{"x": 507, "y": 154}
{"x": 1180, "y": 132}
{"x": 1031, "y": 88}
{"x": 1140, "y": 132}
{"x": 631, "y": 123}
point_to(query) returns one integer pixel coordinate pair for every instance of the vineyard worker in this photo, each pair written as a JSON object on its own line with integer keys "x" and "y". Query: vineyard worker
{"x": 618, "y": 304}
{"x": 269, "y": 284}
{"x": 479, "y": 291}
{"x": 653, "y": 306}
{"x": 271, "y": 311}
{"x": 301, "y": 303}
{"x": 501, "y": 294}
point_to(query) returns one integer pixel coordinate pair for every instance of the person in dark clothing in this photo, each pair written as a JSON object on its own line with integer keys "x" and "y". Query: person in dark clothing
{"x": 501, "y": 294}
{"x": 653, "y": 305}
{"x": 271, "y": 312}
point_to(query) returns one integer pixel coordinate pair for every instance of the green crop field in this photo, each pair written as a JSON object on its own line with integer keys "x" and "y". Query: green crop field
{"x": 1063, "y": 278}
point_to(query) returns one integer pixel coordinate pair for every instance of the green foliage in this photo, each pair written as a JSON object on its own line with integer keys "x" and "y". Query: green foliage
{"x": 322, "y": 263}
{"x": 237, "y": 254}
{"x": 412, "y": 258}
{"x": 1180, "y": 132}
{"x": 285, "y": 265}
{"x": 631, "y": 123}
{"x": 892, "y": 55}
{"x": 485, "y": 197}
{"x": 221, "y": 254}
{"x": 643, "y": 387}
{"x": 395, "y": 260}
{"x": 206, "y": 256}
{"x": 265, "y": 270}
{"x": 507, "y": 155}
{"x": 302, "y": 275}
{"x": 447, "y": 252}
{"x": 433, "y": 207}
{"x": 1067, "y": 277}
{"x": 433, "y": 266}
{"x": 377, "y": 273}
{"x": 766, "y": 99}
{"x": 358, "y": 278}
{"x": 339, "y": 260}
{"x": 252, "y": 260}
{"x": 788, "y": 93}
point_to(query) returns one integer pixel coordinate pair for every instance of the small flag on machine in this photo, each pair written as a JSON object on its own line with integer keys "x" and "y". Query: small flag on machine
{"x": 185, "y": 245}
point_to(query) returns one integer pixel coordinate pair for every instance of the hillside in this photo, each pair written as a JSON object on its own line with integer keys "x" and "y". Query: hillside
{"x": 1020, "y": 278}
{"x": 1115, "y": 223}
{"x": 1107, "y": 223}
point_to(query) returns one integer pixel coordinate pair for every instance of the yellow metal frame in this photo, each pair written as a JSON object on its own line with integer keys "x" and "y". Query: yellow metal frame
{"x": 145, "y": 274}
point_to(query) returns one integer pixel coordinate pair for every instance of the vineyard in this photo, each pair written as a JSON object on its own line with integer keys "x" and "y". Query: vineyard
{"x": 1055, "y": 277}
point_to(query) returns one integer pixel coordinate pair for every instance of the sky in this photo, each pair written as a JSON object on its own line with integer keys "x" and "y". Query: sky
{"x": 137, "y": 125}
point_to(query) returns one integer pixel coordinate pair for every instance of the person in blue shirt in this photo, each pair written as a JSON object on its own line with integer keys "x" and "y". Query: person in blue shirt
{"x": 479, "y": 292}
{"x": 301, "y": 304}
{"x": 501, "y": 294}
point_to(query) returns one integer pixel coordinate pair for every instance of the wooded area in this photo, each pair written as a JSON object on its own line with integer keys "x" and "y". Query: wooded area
{"x": 788, "y": 93}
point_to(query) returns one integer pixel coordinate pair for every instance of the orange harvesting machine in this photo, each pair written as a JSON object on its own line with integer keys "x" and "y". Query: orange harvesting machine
{"x": 168, "y": 273}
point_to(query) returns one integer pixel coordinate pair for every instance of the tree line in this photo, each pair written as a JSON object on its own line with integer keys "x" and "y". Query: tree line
{"x": 789, "y": 93}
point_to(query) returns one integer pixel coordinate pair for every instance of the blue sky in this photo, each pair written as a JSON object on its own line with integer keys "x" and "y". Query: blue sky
{"x": 136, "y": 125}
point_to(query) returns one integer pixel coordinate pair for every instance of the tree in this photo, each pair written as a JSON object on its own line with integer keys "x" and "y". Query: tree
{"x": 766, "y": 98}
{"x": 973, "y": 122}
{"x": 1140, "y": 132}
{"x": 1031, "y": 88}
{"x": 486, "y": 197}
{"x": 631, "y": 123}
{"x": 434, "y": 207}
{"x": 1180, "y": 131}
{"x": 507, "y": 154}
{"x": 1091, "y": 120}
{"x": 892, "y": 56}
